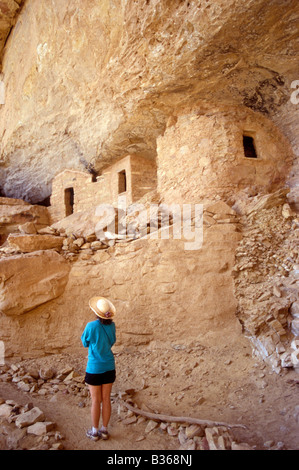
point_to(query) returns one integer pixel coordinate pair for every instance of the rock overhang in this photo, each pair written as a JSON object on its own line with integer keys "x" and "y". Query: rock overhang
{"x": 101, "y": 80}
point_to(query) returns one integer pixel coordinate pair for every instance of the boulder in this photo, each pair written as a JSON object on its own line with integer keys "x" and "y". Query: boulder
{"x": 46, "y": 373}
{"x": 5, "y": 410}
{"x": 32, "y": 279}
{"x": 40, "y": 428}
{"x": 28, "y": 243}
{"x": 28, "y": 227}
{"x": 20, "y": 213}
{"x": 15, "y": 213}
{"x": 29, "y": 417}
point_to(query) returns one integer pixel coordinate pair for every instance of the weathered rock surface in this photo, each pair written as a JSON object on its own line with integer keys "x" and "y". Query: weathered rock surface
{"x": 15, "y": 213}
{"x": 266, "y": 277}
{"x": 28, "y": 243}
{"x": 89, "y": 106}
{"x": 30, "y": 417}
{"x": 144, "y": 276}
{"x": 9, "y": 12}
{"x": 40, "y": 428}
{"x": 29, "y": 280}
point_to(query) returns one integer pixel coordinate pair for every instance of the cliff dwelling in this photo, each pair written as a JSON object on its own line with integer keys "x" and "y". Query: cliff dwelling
{"x": 149, "y": 155}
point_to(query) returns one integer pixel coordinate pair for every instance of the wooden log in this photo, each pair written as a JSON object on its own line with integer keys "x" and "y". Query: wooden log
{"x": 180, "y": 419}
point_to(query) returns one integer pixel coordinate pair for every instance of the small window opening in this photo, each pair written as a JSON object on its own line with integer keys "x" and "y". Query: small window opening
{"x": 69, "y": 201}
{"x": 249, "y": 147}
{"x": 122, "y": 182}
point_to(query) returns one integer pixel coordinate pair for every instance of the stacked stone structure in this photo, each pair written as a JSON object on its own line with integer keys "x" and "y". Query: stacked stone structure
{"x": 73, "y": 191}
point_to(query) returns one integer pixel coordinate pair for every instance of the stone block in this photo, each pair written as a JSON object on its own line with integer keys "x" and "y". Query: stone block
{"x": 240, "y": 446}
{"x": 294, "y": 310}
{"x": 286, "y": 360}
{"x": 295, "y": 327}
{"x": 150, "y": 426}
{"x": 40, "y": 428}
{"x": 28, "y": 243}
{"x": 10, "y": 201}
{"x": 16, "y": 214}
{"x": 295, "y": 358}
{"x": 28, "y": 228}
{"x": 29, "y": 417}
{"x": 29, "y": 280}
{"x": 194, "y": 430}
{"x": 5, "y": 410}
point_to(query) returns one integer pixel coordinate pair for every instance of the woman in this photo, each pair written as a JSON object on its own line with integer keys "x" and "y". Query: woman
{"x": 99, "y": 336}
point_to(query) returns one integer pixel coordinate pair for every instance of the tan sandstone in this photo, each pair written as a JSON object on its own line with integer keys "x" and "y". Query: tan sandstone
{"x": 28, "y": 243}
{"x": 30, "y": 280}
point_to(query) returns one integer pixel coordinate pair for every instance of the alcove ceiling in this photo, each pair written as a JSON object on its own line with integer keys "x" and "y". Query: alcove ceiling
{"x": 89, "y": 82}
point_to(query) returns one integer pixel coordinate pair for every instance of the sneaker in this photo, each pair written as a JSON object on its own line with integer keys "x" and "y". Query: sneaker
{"x": 91, "y": 435}
{"x": 103, "y": 435}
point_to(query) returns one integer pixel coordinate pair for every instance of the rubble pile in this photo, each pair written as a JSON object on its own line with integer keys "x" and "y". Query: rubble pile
{"x": 266, "y": 276}
{"x": 121, "y": 227}
{"x": 118, "y": 227}
{"x": 26, "y": 428}
{"x": 44, "y": 381}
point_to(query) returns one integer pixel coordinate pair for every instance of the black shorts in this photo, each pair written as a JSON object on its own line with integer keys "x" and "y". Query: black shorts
{"x": 100, "y": 379}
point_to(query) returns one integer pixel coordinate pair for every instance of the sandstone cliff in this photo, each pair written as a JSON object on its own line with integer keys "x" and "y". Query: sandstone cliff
{"x": 87, "y": 82}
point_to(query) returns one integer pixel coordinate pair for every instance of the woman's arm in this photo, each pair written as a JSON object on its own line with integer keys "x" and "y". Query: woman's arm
{"x": 85, "y": 338}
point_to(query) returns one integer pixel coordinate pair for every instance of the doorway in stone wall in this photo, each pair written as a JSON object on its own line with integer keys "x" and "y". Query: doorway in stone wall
{"x": 69, "y": 201}
{"x": 122, "y": 182}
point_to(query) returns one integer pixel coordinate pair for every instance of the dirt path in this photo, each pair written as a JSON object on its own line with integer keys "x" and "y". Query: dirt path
{"x": 73, "y": 421}
{"x": 221, "y": 383}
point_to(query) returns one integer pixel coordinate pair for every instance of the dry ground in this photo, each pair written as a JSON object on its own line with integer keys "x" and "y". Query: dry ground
{"x": 223, "y": 383}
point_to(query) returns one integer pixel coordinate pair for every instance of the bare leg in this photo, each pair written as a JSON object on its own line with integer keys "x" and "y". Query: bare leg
{"x": 96, "y": 399}
{"x": 106, "y": 403}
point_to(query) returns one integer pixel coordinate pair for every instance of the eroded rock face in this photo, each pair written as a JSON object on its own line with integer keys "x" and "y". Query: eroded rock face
{"x": 29, "y": 280}
{"x": 161, "y": 288}
{"x": 9, "y": 10}
{"x": 97, "y": 80}
{"x": 27, "y": 243}
{"x": 15, "y": 213}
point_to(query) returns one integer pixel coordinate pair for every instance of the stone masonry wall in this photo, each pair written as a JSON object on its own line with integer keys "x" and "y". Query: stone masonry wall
{"x": 141, "y": 176}
{"x": 66, "y": 179}
{"x": 201, "y": 155}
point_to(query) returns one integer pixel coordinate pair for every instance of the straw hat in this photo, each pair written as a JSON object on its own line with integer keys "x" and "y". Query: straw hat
{"x": 102, "y": 307}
